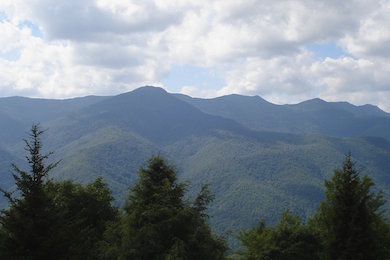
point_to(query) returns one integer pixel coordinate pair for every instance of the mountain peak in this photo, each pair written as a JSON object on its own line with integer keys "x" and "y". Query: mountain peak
{"x": 313, "y": 101}
{"x": 239, "y": 98}
{"x": 149, "y": 90}
{"x": 156, "y": 115}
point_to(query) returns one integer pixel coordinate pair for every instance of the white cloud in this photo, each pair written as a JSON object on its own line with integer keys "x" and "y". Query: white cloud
{"x": 15, "y": 11}
{"x": 101, "y": 20}
{"x": 283, "y": 78}
{"x": 259, "y": 46}
{"x": 11, "y": 37}
{"x": 195, "y": 91}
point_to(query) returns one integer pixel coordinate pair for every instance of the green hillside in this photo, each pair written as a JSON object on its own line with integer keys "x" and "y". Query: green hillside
{"x": 253, "y": 174}
{"x": 6, "y": 180}
{"x": 251, "y": 179}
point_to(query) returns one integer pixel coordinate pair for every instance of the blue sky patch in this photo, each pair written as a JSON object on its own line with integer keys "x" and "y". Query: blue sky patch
{"x": 34, "y": 28}
{"x": 12, "y": 55}
{"x": 3, "y": 16}
{"x": 188, "y": 75}
{"x": 328, "y": 49}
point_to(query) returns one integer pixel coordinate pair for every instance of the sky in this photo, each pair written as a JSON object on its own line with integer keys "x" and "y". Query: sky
{"x": 283, "y": 51}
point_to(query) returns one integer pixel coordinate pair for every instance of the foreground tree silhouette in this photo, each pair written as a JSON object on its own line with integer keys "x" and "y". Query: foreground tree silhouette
{"x": 159, "y": 224}
{"x": 53, "y": 220}
{"x": 83, "y": 213}
{"x": 289, "y": 239}
{"x": 27, "y": 227}
{"x": 349, "y": 220}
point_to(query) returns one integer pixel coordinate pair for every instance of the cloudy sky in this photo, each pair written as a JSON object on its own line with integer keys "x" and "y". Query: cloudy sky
{"x": 284, "y": 51}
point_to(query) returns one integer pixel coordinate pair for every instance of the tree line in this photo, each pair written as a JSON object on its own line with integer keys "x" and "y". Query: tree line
{"x": 49, "y": 219}
{"x": 349, "y": 224}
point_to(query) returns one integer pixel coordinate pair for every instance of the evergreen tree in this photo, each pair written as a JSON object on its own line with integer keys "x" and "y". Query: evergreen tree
{"x": 160, "y": 224}
{"x": 53, "y": 220}
{"x": 27, "y": 227}
{"x": 289, "y": 239}
{"x": 349, "y": 220}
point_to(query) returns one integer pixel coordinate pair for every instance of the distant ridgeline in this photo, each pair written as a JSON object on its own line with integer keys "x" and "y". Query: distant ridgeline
{"x": 259, "y": 159}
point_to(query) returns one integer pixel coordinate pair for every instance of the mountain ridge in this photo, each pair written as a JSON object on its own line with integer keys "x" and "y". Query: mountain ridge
{"x": 254, "y": 173}
{"x": 339, "y": 119}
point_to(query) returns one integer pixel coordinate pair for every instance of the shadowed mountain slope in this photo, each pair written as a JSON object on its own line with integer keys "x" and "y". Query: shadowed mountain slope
{"x": 339, "y": 119}
{"x": 148, "y": 111}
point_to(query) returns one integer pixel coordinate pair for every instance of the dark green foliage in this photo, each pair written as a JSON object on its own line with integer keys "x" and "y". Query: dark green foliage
{"x": 160, "y": 224}
{"x": 289, "y": 239}
{"x": 349, "y": 220}
{"x": 110, "y": 246}
{"x": 51, "y": 220}
{"x": 84, "y": 212}
{"x": 28, "y": 226}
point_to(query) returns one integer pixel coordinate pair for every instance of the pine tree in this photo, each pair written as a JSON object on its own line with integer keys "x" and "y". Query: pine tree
{"x": 27, "y": 227}
{"x": 350, "y": 220}
{"x": 160, "y": 224}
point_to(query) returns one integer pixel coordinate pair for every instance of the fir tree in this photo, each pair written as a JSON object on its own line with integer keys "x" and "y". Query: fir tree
{"x": 27, "y": 227}
{"x": 160, "y": 224}
{"x": 350, "y": 219}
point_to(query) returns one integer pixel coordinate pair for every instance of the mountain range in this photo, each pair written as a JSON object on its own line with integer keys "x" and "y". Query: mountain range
{"x": 259, "y": 158}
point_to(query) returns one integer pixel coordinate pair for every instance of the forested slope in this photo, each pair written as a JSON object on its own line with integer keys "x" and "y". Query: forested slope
{"x": 253, "y": 173}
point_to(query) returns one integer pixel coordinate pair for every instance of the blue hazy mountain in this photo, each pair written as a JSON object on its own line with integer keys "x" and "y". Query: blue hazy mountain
{"x": 6, "y": 180}
{"x": 152, "y": 113}
{"x": 259, "y": 158}
{"x": 339, "y": 119}
{"x": 29, "y": 110}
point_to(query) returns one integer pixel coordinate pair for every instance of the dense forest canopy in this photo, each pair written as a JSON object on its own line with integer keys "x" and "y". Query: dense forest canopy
{"x": 48, "y": 219}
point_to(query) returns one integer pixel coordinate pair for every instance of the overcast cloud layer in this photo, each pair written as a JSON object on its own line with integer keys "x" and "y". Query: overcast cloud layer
{"x": 284, "y": 51}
